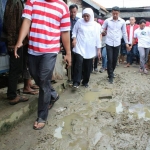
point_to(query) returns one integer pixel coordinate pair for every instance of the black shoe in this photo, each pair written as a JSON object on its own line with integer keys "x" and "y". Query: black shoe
{"x": 76, "y": 85}
{"x": 85, "y": 85}
{"x": 110, "y": 80}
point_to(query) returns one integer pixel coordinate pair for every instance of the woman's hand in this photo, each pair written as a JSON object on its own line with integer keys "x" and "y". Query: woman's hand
{"x": 99, "y": 53}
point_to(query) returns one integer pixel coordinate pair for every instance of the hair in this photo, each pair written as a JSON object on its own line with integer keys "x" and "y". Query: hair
{"x": 116, "y": 8}
{"x": 142, "y": 21}
{"x": 132, "y": 17}
{"x": 73, "y": 6}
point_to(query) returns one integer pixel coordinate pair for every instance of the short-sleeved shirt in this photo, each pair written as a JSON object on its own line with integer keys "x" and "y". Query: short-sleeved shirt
{"x": 48, "y": 20}
{"x": 143, "y": 37}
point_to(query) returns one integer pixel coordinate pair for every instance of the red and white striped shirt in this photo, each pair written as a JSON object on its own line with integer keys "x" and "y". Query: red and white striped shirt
{"x": 48, "y": 19}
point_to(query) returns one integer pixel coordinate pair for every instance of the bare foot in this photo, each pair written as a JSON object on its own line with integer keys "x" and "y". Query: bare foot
{"x": 126, "y": 66}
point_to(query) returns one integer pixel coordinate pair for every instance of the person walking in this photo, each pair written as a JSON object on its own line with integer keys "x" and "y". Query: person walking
{"x": 134, "y": 51}
{"x": 96, "y": 59}
{"x": 46, "y": 20}
{"x": 86, "y": 36}
{"x": 116, "y": 28}
{"x": 11, "y": 26}
{"x": 143, "y": 36}
{"x": 73, "y": 19}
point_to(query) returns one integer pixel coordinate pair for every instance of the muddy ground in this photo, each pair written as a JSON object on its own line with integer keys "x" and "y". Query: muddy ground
{"x": 81, "y": 120}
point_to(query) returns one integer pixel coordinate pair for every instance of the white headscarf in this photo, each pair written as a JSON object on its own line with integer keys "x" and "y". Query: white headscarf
{"x": 91, "y": 13}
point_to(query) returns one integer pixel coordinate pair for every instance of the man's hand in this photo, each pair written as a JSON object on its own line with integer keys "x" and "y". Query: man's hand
{"x": 74, "y": 42}
{"x": 128, "y": 47}
{"x": 99, "y": 54}
{"x": 67, "y": 59}
{"x": 18, "y": 45}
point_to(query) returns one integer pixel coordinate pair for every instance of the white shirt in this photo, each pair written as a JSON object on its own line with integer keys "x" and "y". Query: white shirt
{"x": 87, "y": 38}
{"x": 131, "y": 34}
{"x": 143, "y": 37}
{"x": 115, "y": 30}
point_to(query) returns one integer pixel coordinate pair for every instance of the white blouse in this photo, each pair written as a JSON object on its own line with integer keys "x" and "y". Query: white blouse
{"x": 87, "y": 39}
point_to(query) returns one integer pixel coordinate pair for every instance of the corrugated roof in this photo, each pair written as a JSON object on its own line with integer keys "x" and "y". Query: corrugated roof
{"x": 102, "y": 7}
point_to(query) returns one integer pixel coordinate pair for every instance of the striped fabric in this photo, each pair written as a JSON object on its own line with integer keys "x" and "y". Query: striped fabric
{"x": 48, "y": 20}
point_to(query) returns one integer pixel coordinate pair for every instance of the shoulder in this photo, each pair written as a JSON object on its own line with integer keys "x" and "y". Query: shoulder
{"x": 122, "y": 20}
{"x": 62, "y": 4}
{"x": 137, "y": 30}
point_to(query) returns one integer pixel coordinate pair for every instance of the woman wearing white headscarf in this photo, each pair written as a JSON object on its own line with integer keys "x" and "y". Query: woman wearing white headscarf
{"x": 86, "y": 36}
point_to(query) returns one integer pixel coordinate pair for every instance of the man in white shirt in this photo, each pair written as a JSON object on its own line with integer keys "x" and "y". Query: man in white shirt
{"x": 116, "y": 28}
{"x": 143, "y": 36}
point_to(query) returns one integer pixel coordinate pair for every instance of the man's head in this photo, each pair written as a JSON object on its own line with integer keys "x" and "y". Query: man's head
{"x": 115, "y": 12}
{"x": 73, "y": 10}
{"x": 132, "y": 20}
{"x": 142, "y": 23}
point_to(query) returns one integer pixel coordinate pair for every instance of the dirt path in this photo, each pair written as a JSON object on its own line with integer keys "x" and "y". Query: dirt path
{"x": 81, "y": 120}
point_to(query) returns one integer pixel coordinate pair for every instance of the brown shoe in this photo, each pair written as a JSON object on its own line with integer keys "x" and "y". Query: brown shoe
{"x": 18, "y": 99}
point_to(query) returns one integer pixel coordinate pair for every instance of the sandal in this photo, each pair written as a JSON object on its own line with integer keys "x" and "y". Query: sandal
{"x": 35, "y": 87}
{"x": 39, "y": 120}
{"x": 52, "y": 102}
{"x": 31, "y": 92}
{"x": 20, "y": 99}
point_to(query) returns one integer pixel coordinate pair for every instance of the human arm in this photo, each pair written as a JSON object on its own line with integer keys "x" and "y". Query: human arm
{"x": 23, "y": 33}
{"x": 99, "y": 40}
{"x": 74, "y": 33}
{"x": 125, "y": 37}
{"x": 104, "y": 26}
{"x": 65, "y": 35}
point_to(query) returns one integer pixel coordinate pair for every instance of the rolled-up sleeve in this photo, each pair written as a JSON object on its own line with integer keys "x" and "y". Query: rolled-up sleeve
{"x": 124, "y": 33}
{"x": 105, "y": 25}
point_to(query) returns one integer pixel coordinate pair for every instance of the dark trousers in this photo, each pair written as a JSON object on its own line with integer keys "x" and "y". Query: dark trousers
{"x": 82, "y": 69}
{"x": 26, "y": 73}
{"x": 133, "y": 53}
{"x": 15, "y": 70}
{"x": 112, "y": 57}
{"x": 41, "y": 69}
{"x": 95, "y": 63}
{"x": 72, "y": 66}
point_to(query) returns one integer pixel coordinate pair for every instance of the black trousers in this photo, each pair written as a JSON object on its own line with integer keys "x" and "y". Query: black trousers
{"x": 41, "y": 69}
{"x": 15, "y": 70}
{"x": 95, "y": 63}
{"x": 82, "y": 69}
{"x": 112, "y": 57}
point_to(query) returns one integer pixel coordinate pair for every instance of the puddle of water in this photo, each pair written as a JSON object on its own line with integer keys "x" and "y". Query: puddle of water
{"x": 83, "y": 144}
{"x": 91, "y": 96}
{"x": 68, "y": 120}
{"x": 140, "y": 111}
{"x": 119, "y": 108}
{"x": 57, "y": 133}
{"x": 96, "y": 138}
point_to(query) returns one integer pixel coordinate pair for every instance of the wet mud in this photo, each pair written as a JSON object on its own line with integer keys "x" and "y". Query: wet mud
{"x": 101, "y": 117}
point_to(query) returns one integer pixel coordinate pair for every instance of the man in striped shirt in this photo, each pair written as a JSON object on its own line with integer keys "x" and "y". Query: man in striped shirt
{"x": 46, "y": 20}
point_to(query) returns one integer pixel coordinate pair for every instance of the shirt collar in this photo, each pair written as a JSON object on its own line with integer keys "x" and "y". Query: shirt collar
{"x": 113, "y": 19}
{"x": 76, "y": 18}
{"x": 132, "y": 25}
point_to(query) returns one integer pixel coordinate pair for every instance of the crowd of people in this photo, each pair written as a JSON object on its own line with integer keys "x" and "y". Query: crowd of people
{"x": 34, "y": 42}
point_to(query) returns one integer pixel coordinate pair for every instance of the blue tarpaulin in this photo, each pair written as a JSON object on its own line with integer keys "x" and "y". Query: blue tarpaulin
{"x": 4, "y": 59}
{"x": 3, "y": 49}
